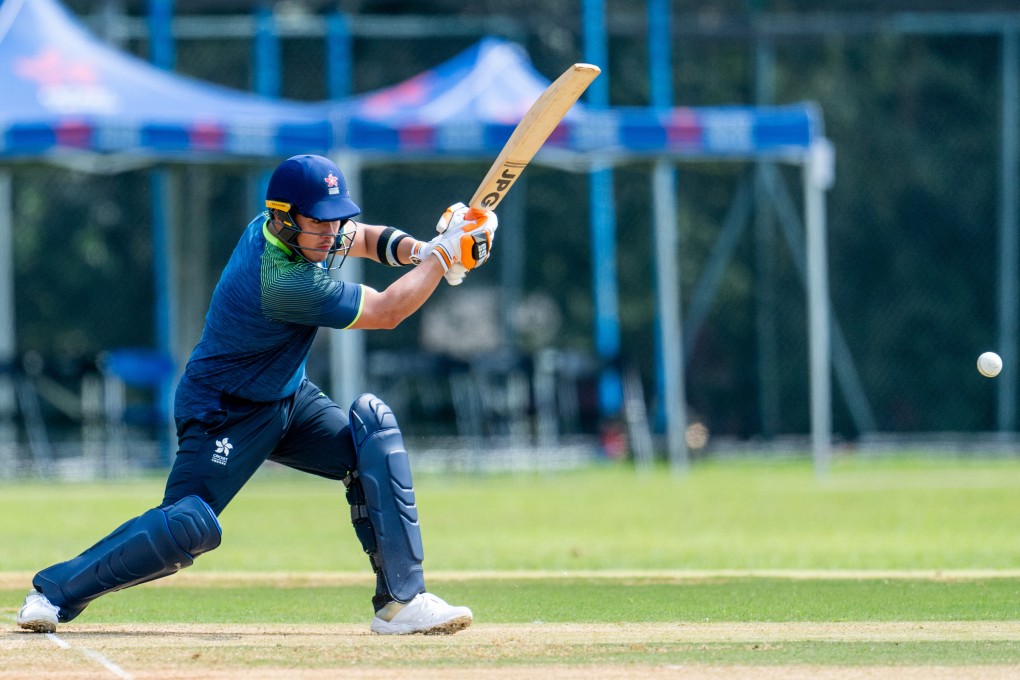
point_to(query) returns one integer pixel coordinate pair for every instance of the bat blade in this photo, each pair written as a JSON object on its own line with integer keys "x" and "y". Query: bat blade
{"x": 530, "y": 134}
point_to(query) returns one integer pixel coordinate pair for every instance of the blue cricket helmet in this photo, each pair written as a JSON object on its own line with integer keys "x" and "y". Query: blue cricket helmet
{"x": 312, "y": 186}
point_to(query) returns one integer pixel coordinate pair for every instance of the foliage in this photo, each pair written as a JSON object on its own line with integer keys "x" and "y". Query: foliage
{"x": 912, "y": 216}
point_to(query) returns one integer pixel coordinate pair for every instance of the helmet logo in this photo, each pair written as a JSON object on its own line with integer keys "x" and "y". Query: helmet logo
{"x": 332, "y": 181}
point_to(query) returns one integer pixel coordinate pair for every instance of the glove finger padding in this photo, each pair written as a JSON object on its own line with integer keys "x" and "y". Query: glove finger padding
{"x": 464, "y": 241}
{"x": 452, "y": 217}
{"x": 485, "y": 219}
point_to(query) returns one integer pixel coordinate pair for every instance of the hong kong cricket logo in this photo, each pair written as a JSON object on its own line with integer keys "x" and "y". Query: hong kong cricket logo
{"x": 223, "y": 447}
{"x": 333, "y": 182}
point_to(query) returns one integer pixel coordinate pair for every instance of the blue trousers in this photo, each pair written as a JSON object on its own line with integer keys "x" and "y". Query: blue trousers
{"x": 219, "y": 451}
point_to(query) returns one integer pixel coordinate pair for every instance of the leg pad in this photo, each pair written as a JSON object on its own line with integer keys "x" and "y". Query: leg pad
{"x": 384, "y": 475}
{"x": 157, "y": 543}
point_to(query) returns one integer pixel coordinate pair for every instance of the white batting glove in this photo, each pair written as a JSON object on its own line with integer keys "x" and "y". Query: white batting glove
{"x": 452, "y": 217}
{"x": 457, "y": 272}
{"x": 454, "y": 248}
{"x": 423, "y": 249}
{"x": 477, "y": 229}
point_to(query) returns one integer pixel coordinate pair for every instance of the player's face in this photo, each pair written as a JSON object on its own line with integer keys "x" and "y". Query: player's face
{"x": 316, "y": 238}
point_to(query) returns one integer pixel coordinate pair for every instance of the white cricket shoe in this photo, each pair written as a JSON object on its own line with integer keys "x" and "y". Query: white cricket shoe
{"x": 37, "y": 614}
{"x": 425, "y": 614}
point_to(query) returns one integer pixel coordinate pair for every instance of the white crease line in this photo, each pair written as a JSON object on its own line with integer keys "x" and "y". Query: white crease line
{"x": 57, "y": 641}
{"x": 106, "y": 663}
{"x": 90, "y": 653}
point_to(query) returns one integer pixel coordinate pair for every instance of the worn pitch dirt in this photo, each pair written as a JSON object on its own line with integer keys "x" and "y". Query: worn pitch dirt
{"x": 486, "y": 651}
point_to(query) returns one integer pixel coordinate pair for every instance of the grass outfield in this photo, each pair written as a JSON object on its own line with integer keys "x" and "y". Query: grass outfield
{"x": 898, "y": 567}
{"x": 913, "y": 515}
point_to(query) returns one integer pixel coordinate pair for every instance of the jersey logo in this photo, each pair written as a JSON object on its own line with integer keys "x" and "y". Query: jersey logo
{"x": 223, "y": 447}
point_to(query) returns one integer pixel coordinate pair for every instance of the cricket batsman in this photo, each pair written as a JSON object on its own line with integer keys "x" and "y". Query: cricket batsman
{"x": 244, "y": 398}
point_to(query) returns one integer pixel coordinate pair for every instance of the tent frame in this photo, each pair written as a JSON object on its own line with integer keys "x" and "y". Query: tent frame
{"x": 817, "y": 162}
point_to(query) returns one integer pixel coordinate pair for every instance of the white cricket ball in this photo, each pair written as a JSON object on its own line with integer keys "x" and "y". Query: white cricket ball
{"x": 989, "y": 364}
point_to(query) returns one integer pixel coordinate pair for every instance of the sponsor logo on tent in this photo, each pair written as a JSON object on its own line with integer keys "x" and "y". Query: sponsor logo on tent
{"x": 66, "y": 85}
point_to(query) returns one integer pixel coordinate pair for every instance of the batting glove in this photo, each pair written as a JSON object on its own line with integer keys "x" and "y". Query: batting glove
{"x": 467, "y": 237}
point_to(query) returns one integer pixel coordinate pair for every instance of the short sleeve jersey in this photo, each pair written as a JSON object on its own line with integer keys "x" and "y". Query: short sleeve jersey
{"x": 264, "y": 314}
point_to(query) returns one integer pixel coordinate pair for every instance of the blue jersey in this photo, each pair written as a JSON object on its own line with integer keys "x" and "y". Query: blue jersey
{"x": 264, "y": 314}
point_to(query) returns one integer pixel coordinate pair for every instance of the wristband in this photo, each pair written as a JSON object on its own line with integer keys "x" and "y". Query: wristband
{"x": 386, "y": 246}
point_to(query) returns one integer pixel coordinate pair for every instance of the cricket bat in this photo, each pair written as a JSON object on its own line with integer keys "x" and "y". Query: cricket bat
{"x": 529, "y": 136}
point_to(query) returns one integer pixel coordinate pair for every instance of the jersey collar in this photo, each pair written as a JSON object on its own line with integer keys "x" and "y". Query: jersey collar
{"x": 273, "y": 239}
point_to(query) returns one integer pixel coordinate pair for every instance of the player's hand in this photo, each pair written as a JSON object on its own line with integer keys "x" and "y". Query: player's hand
{"x": 453, "y": 217}
{"x": 476, "y": 229}
{"x": 455, "y": 247}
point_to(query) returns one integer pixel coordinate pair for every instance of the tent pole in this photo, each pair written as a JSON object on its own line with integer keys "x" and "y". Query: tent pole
{"x": 602, "y": 207}
{"x": 339, "y": 51}
{"x": 266, "y": 57}
{"x": 817, "y": 175}
{"x": 162, "y": 54}
{"x": 766, "y": 300}
{"x": 667, "y": 274}
{"x": 165, "y": 266}
{"x": 660, "y": 91}
{"x": 1009, "y": 279}
{"x": 347, "y": 356}
{"x": 792, "y": 228}
{"x": 161, "y": 39}
{"x": 8, "y": 343}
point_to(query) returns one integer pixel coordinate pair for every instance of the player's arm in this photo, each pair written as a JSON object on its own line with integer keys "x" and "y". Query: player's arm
{"x": 463, "y": 242}
{"x": 387, "y": 308}
{"x": 386, "y": 245}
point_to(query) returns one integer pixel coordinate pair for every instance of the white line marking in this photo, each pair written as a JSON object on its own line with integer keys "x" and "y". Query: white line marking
{"x": 57, "y": 641}
{"x": 85, "y": 651}
{"x": 106, "y": 663}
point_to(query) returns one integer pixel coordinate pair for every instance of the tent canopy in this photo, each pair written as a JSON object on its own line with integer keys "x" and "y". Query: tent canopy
{"x": 70, "y": 94}
{"x": 67, "y": 93}
{"x": 469, "y": 105}
{"x": 70, "y": 97}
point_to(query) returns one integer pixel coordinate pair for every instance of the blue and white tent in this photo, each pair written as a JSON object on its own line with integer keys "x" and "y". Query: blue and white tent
{"x": 70, "y": 98}
{"x": 69, "y": 94}
{"x": 469, "y": 105}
